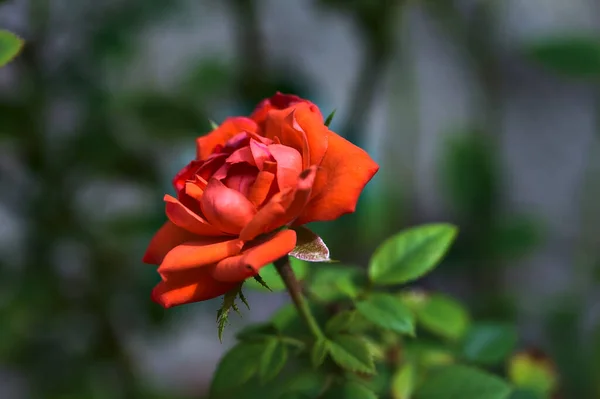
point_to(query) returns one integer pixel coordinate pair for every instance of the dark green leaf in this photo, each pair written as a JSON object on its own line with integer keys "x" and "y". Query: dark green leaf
{"x": 461, "y": 382}
{"x": 576, "y": 56}
{"x": 309, "y": 383}
{"x": 257, "y": 331}
{"x": 410, "y": 254}
{"x": 341, "y": 322}
{"x": 350, "y": 390}
{"x": 10, "y": 46}
{"x": 236, "y": 367}
{"x": 309, "y": 246}
{"x": 514, "y": 237}
{"x": 330, "y": 118}
{"x": 319, "y": 352}
{"x": 272, "y": 360}
{"x": 352, "y": 353}
{"x": 444, "y": 316}
{"x": 489, "y": 343}
{"x": 271, "y": 277}
{"x": 389, "y": 312}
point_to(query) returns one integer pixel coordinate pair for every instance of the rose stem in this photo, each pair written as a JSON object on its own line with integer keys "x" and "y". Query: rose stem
{"x": 291, "y": 283}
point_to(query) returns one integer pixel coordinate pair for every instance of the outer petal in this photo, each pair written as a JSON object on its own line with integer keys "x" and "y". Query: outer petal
{"x": 301, "y": 128}
{"x": 183, "y": 217}
{"x": 199, "y": 253}
{"x": 165, "y": 239}
{"x": 187, "y": 287}
{"x": 240, "y": 267}
{"x": 344, "y": 172}
{"x": 205, "y": 145}
{"x": 225, "y": 208}
{"x": 278, "y": 101}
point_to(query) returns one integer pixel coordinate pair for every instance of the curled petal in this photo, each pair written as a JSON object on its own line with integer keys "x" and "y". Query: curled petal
{"x": 277, "y": 102}
{"x": 267, "y": 217}
{"x": 241, "y": 178}
{"x": 225, "y": 208}
{"x": 165, "y": 239}
{"x": 183, "y": 217}
{"x": 344, "y": 172}
{"x": 302, "y": 194}
{"x": 289, "y": 164}
{"x": 260, "y": 153}
{"x": 238, "y": 268}
{"x": 205, "y": 145}
{"x": 199, "y": 253}
{"x": 280, "y": 128}
{"x": 187, "y": 287}
{"x": 244, "y": 154}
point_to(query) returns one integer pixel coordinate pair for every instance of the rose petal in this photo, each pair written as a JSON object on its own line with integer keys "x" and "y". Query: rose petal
{"x": 278, "y": 101}
{"x": 344, "y": 172}
{"x": 199, "y": 253}
{"x": 241, "y": 177}
{"x": 225, "y": 208}
{"x": 183, "y": 217}
{"x": 165, "y": 239}
{"x": 238, "y": 268}
{"x": 260, "y": 188}
{"x": 302, "y": 194}
{"x": 244, "y": 154}
{"x": 279, "y": 127}
{"x": 289, "y": 165}
{"x": 268, "y": 215}
{"x": 260, "y": 153}
{"x": 187, "y": 287}
{"x": 205, "y": 145}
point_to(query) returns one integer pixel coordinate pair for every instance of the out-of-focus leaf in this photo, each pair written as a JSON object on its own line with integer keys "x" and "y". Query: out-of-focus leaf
{"x": 403, "y": 382}
{"x": 514, "y": 237}
{"x": 271, "y": 277}
{"x": 533, "y": 372}
{"x": 330, "y": 118}
{"x": 350, "y": 390}
{"x": 334, "y": 282}
{"x": 461, "y": 382}
{"x": 469, "y": 174}
{"x": 489, "y": 343}
{"x": 444, "y": 316}
{"x": 318, "y": 352}
{"x": 209, "y": 78}
{"x": 347, "y": 321}
{"x": 236, "y": 367}
{"x": 410, "y": 254}
{"x": 571, "y": 55}
{"x": 10, "y": 46}
{"x": 273, "y": 359}
{"x": 389, "y": 312}
{"x": 308, "y": 383}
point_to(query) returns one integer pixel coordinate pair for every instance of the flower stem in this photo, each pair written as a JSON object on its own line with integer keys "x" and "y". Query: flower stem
{"x": 293, "y": 287}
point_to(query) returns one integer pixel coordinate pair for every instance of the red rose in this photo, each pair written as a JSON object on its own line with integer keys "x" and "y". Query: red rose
{"x": 252, "y": 176}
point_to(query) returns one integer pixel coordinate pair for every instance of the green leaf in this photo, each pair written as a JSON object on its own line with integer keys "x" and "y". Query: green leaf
{"x": 309, "y": 383}
{"x": 213, "y": 124}
{"x": 236, "y": 367}
{"x": 489, "y": 343}
{"x": 410, "y": 254}
{"x": 257, "y": 331}
{"x": 352, "y": 353}
{"x": 333, "y": 282}
{"x": 461, "y": 382}
{"x": 403, "y": 382}
{"x": 330, "y": 118}
{"x": 10, "y": 46}
{"x": 318, "y": 352}
{"x": 350, "y": 390}
{"x": 271, "y": 277}
{"x": 389, "y": 312}
{"x": 273, "y": 359}
{"x": 309, "y": 246}
{"x": 571, "y": 55}
{"x": 444, "y": 316}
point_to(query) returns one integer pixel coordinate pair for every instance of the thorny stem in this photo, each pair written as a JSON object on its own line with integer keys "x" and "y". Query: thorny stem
{"x": 293, "y": 287}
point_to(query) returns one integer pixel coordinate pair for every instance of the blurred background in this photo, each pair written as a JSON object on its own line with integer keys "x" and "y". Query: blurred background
{"x": 482, "y": 113}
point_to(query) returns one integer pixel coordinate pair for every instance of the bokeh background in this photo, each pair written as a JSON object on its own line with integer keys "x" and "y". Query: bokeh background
{"x": 482, "y": 113}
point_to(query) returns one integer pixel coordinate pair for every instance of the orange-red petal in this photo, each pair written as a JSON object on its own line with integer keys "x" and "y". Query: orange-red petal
{"x": 225, "y": 208}
{"x": 260, "y": 188}
{"x": 205, "y": 251}
{"x": 238, "y": 268}
{"x": 268, "y": 215}
{"x": 187, "y": 287}
{"x": 278, "y": 101}
{"x": 344, "y": 172}
{"x": 165, "y": 239}
{"x": 279, "y": 127}
{"x": 205, "y": 145}
{"x": 183, "y": 217}
{"x": 289, "y": 165}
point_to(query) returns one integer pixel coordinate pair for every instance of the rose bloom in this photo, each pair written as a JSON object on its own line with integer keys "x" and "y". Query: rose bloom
{"x": 252, "y": 177}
